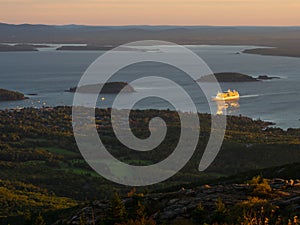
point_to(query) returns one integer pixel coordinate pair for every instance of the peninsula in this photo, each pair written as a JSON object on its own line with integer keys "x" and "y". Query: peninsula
{"x": 289, "y": 51}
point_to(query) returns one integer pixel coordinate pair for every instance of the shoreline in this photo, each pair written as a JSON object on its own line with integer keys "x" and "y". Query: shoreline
{"x": 271, "y": 124}
{"x": 282, "y": 50}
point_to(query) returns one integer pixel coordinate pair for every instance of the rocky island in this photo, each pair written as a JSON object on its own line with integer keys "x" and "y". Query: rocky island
{"x": 107, "y": 88}
{"x": 84, "y": 48}
{"x": 233, "y": 77}
{"x": 17, "y": 48}
{"x": 6, "y": 95}
{"x": 90, "y": 47}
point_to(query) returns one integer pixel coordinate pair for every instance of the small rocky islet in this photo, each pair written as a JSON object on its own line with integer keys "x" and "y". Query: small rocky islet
{"x": 107, "y": 88}
{"x": 6, "y": 95}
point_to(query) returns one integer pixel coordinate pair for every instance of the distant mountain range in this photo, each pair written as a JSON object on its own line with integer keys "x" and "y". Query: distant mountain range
{"x": 114, "y": 35}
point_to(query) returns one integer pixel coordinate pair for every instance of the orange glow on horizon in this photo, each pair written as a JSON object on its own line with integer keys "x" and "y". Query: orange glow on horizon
{"x": 153, "y": 12}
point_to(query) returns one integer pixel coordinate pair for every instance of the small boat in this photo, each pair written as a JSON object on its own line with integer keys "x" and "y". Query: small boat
{"x": 226, "y": 96}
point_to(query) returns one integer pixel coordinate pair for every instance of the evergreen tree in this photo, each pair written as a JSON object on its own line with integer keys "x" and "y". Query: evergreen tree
{"x": 117, "y": 211}
{"x": 82, "y": 220}
{"x": 220, "y": 214}
{"x": 199, "y": 214}
{"x": 27, "y": 218}
{"x": 39, "y": 220}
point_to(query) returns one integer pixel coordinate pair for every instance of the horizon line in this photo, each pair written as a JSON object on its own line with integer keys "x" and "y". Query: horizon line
{"x": 145, "y": 25}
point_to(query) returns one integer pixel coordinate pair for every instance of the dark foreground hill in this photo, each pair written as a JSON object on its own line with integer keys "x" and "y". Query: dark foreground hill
{"x": 38, "y": 150}
{"x": 271, "y": 201}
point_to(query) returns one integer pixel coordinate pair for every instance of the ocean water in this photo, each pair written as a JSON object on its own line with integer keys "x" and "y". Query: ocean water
{"x": 49, "y": 73}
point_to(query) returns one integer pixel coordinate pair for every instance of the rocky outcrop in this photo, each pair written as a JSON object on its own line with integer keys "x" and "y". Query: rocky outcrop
{"x": 181, "y": 204}
{"x": 266, "y": 77}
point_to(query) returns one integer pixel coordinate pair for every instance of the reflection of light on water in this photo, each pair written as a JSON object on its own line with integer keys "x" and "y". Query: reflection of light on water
{"x": 229, "y": 106}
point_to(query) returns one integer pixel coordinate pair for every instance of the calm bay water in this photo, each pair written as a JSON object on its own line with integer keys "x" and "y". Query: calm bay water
{"x": 49, "y": 73}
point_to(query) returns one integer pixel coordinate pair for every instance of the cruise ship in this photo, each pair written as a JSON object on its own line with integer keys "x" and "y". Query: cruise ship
{"x": 226, "y": 96}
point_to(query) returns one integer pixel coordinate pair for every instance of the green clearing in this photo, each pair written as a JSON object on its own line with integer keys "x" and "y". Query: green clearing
{"x": 61, "y": 151}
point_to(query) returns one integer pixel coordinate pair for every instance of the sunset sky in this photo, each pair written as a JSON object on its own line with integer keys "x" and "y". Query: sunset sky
{"x": 152, "y": 12}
